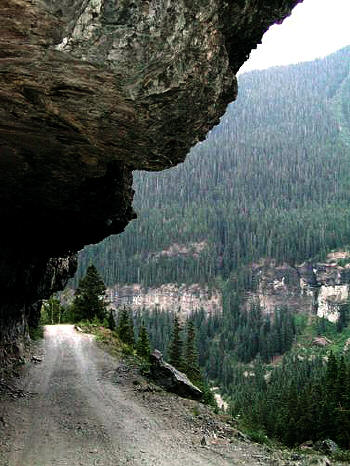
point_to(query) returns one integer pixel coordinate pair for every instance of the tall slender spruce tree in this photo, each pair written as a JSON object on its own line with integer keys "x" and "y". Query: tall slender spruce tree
{"x": 111, "y": 321}
{"x": 175, "y": 349}
{"x": 191, "y": 366}
{"x": 125, "y": 327}
{"x": 89, "y": 302}
{"x": 143, "y": 347}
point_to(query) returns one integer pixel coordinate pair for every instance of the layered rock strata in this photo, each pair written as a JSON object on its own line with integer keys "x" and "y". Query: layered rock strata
{"x": 89, "y": 91}
{"x": 314, "y": 288}
{"x": 184, "y": 299}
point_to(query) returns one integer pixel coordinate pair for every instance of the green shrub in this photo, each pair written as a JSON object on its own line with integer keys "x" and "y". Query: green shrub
{"x": 258, "y": 436}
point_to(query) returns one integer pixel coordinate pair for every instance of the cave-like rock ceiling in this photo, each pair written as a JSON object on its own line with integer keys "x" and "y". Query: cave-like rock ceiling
{"x": 89, "y": 91}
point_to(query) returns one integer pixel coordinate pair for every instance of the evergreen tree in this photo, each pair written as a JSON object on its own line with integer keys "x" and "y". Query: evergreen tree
{"x": 111, "y": 321}
{"x": 89, "y": 302}
{"x": 321, "y": 326}
{"x": 191, "y": 366}
{"x": 343, "y": 317}
{"x": 331, "y": 375}
{"x": 302, "y": 400}
{"x": 175, "y": 349}
{"x": 131, "y": 335}
{"x": 125, "y": 327}
{"x": 143, "y": 347}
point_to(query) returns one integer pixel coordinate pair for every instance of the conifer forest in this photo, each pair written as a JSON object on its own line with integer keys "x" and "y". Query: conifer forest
{"x": 272, "y": 180}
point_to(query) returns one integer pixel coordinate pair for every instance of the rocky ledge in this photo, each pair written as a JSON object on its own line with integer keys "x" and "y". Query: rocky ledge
{"x": 89, "y": 91}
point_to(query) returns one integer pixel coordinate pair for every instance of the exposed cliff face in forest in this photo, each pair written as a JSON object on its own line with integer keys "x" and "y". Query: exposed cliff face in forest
{"x": 169, "y": 297}
{"x": 312, "y": 288}
{"x": 91, "y": 90}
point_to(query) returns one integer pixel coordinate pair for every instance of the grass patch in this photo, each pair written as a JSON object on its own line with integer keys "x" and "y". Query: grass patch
{"x": 258, "y": 436}
{"x": 343, "y": 262}
{"x": 108, "y": 339}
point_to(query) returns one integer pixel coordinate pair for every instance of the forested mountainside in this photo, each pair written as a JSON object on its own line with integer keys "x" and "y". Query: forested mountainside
{"x": 250, "y": 215}
{"x": 271, "y": 180}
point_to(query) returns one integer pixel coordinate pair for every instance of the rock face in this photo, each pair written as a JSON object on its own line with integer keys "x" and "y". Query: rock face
{"x": 169, "y": 297}
{"x": 314, "y": 288}
{"x": 89, "y": 91}
{"x": 278, "y": 286}
{"x": 172, "y": 379}
{"x": 39, "y": 281}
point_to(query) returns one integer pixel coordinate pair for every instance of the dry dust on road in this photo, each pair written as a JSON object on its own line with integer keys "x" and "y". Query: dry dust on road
{"x": 73, "y": 413}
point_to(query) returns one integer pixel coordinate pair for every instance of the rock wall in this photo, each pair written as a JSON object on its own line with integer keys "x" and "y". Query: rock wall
{"x": 329, "y": 299}
{"x": 278, "y": 286}
{"x": 20, "y": 310}
{"x": 318, "y": 289}
{"x": 169, "y": 297}
{"x": 311, "y": 288}
{"x": 89, "y": 91}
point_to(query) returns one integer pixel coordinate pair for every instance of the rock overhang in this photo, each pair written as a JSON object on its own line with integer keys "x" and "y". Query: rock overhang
{"x": 91, "y": 90}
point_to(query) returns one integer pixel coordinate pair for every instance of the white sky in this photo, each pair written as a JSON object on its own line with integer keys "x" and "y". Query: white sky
{"x": 316, "y": 28}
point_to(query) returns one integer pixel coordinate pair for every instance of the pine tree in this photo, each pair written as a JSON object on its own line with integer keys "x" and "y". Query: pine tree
{"x": 330, "y": 405}
{"x": 125, "y": 328}
{"x": 131, "y": 334}
{"x": 191, "y": 366}
{"x": 89, "y": 302}
{"x": 111, "y": 321}
{"x": 175, "y": 349}
{"x": 343, "y": 317}
{"x": 331, "y": 374}
{"x": 143, "y": 347}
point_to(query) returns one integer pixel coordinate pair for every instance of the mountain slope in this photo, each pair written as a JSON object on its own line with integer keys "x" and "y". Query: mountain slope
{"x": 272, "y": 180}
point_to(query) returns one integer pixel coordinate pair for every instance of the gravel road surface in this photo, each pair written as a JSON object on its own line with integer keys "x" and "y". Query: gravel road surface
{"x": 70, "y": 411}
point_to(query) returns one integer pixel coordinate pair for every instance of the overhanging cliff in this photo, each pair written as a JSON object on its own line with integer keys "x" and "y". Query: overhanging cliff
{"x": 89, "y": 91}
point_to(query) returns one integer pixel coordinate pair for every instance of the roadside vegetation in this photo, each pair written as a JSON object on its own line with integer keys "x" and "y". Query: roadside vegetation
{"x": 123, "y": 332}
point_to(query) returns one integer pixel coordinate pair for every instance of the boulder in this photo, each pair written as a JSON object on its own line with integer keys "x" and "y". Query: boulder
{"x": 326, "y": 446}
{"x": 171, "y": 379}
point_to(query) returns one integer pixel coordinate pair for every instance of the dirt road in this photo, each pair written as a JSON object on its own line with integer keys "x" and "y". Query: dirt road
{"x": 73, "y": 413}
